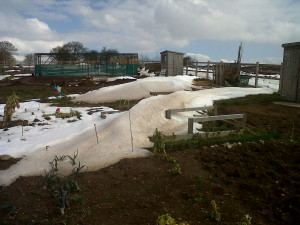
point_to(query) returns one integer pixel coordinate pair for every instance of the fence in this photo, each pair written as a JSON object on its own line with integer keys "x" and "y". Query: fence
{"x": 86, "y": 70}
{"x": 219, "y": 70}
{"x": 47, "y": 64}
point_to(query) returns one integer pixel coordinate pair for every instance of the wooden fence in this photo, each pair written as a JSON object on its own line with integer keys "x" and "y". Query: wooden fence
{"x": 249, "y": 68}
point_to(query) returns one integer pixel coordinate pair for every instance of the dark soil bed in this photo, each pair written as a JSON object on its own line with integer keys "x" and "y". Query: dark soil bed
{"x": 257, "y": 179}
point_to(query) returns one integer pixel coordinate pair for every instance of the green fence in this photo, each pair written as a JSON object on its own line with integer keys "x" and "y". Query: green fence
{"x": 86, "y": 70}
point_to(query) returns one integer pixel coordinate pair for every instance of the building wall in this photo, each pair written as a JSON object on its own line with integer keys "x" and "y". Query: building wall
{"x": 290, "y": 75}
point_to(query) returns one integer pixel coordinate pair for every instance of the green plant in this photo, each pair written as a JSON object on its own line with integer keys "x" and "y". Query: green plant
{"x": 246, "y": 220}
{"x": 199, "y": 198}
{"x": 215, "y": 214}
{"x": 166, "y": 219}
{"x": 64, "y": 115}
{"x": 61, "y": 188}
{"x": 159, "y": 140}
{"x": 176, "y": 169}
{"x": 10, "y": 107}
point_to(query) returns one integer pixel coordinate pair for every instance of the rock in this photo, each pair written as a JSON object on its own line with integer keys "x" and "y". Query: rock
{"x": 5, "y": 157}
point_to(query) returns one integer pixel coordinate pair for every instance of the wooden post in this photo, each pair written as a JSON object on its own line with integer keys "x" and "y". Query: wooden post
{"x": 168, "y": 114}
{"x": 196, "y": 68}
{"x": 256, "y": 74}
{"x": 207, "y": 70}
{"x": 221, "y": 77}
{"x": 187, "y": 67}
{"x": 190, "y": 125}
{"x": 281, "y": 78}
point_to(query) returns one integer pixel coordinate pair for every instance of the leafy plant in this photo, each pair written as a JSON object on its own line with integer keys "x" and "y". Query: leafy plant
{"x": 62, "y": 188}
{"x": 10, "y": 107}
{"x": 166, "y": 219}
{"x": 159, "y": 140}
{"x": 215, "y": 214}
{"x": 176, "y": 169}
{"x": 72, "y": 113}
{"x": 246, "y": 220}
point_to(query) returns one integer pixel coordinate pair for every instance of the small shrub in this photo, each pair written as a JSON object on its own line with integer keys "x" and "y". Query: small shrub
{"x": 10, "y": 107}
{"x": 246, "y": 220}
{"x": 159, "y": 140}
{"x": 166, "y": 219}
{"x": 215, "y": 214}
{"x": 176, "y": 170}
{"x": 61, "y": 188}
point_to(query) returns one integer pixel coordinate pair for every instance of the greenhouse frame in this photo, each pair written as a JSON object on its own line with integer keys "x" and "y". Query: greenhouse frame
{"x": 86, "y": 64}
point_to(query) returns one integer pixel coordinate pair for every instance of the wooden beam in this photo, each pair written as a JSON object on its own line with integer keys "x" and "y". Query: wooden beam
{"x": 192, "y": 120}
{"x": 170, "y": 111}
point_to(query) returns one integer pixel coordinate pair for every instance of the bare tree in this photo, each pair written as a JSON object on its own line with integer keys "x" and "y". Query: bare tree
{"x": 107, "y": 54}
{"x": 72, "y": 51}
{"x": 7, "y": 52}
{"x": 29, "y": 59}
{"x": 76, "y": 50}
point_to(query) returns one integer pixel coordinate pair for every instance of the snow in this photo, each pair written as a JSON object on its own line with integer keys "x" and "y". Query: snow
{"x": 114, "y": 138}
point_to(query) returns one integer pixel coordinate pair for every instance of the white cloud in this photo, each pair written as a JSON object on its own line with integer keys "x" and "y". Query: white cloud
{"x": 149, "y": 26}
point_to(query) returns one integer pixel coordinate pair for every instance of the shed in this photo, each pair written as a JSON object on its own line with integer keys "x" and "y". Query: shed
{"x": 290, "y": 74}
{"x": 172, "y": 63}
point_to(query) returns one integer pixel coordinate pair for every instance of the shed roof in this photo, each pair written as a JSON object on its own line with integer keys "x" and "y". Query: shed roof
{"x": 294, "y": 44}
{"x": 172, "y": 52}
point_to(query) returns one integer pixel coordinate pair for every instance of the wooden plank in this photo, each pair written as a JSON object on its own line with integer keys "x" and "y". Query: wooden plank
{"x": 192, "y": 120}
{"x": 170, "y": 111}
{"x": 219, "y": 117}
{"x": 203, "y": 135}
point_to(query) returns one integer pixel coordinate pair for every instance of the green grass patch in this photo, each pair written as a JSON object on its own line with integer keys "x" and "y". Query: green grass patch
{"x": 250, "y": 99}
{"x": 119, "y": 105}
{"x": 26, "y": 93}
{"x": 234, "y": 138}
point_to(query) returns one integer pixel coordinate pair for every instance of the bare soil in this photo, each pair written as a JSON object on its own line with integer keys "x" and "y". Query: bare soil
{"x": 260, "y": 179}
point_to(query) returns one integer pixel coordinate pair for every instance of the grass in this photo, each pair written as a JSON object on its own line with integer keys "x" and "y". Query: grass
{"x": 119, "y": 105}
{"x": 234, "y": 138}
{"x": 250, "y": 99}
{"x": 25, "y": 93}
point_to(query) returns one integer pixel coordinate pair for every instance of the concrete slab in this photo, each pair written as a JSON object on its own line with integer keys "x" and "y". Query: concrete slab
{"x": 290, "y": 104}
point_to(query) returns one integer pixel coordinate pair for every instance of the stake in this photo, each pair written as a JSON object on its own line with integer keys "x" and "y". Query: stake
{"x": 130, "y": 131}
{"x": 96, "y": 133}
{"x": 292, "y": 137}
{"x": 22, "y": 127}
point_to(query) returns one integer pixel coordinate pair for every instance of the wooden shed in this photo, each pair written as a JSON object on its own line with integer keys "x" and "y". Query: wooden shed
{"x": 290, "y": 74}
{"x": 172, "y": 63}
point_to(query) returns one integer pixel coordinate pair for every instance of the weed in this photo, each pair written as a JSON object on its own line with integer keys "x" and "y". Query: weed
{"x": 10, "y": 107}
{"x": 200, "y": 180}
{"x": 176, "y": 170}
{"x": 23, "y": 218}
{"x": 61, "y": 188}
{"x": 215, "y": 214}
{"x": 250, "y": 99}
{"x": 199, "y": 198}
{"x": 246, "y": 220}
{"x": 159, "y": 140}
{"x": 166, "y": 219}
{"x": 64, "y": 115}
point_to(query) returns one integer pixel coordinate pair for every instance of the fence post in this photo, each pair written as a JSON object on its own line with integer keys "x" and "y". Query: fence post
{"x": 190, "y": 125}
{"x": 187, "y": 68}
{"x": 281, "y": 78}
{"x": 168, "y": 114}
{"x": 207, "y": 72}
{"x": 196, "y": 68}
{"x": 256, "y": 74}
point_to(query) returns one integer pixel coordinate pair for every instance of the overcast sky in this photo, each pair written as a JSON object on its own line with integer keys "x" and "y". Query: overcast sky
{"x": 206, "y": 29}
